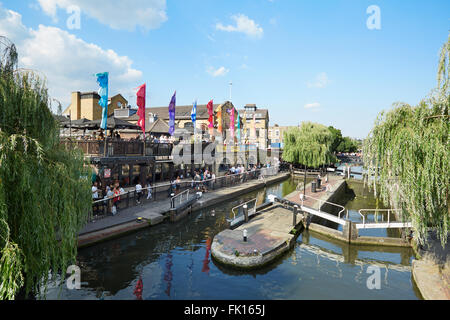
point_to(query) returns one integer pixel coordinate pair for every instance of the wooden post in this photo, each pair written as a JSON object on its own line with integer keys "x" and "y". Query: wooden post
{"x": 294, "y": 216}
{"x": 304, "y": 182}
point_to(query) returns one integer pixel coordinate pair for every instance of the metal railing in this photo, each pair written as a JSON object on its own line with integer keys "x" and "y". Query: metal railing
{"x": 253, "y": 210}
{"x": 322, "y": 202}
{"x": 103, "y": 207}
{"x": 380, "y": 224}
{"x": 180, "y": 197}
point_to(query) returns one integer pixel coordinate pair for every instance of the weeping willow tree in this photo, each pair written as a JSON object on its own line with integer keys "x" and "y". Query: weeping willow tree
{"x": 407, "y": 155}
{"x": 44, "y": 188}
{"x": 308, "y": 145}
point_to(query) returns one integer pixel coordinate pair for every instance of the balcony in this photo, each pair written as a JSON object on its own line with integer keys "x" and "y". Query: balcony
{"x": 119, "y": 148}
{"x": 123, "y": 148}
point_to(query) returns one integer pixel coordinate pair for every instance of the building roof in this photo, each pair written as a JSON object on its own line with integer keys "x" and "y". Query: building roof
{"x": 89, "y": 95}
{"x": 260, "y": 113}
{"x": 159, "y": 126}
{"x": 181, "y": 112}
{"x": 60, "y": 118}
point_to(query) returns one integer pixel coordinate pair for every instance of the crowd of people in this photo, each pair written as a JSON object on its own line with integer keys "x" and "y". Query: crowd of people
{"x": 115, "y": 136}
{"x": 202, "y": 180}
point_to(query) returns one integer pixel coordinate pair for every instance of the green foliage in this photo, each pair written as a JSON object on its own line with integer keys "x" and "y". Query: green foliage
{"x": 309, "y": 145}
{"x": 340, "y": 143}
{"x": 407, "y": 152}
{"x": 347, "y": 145}
{"x": 44, "y": 201}
{"x": 336, "y": 138}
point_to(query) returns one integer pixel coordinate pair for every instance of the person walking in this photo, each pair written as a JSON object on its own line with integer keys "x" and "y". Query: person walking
{"x": 95, "y": 197}
{"x": 138, "y": 192}
{"x": 116, "y": 199}
{"x": 149, "y": 189}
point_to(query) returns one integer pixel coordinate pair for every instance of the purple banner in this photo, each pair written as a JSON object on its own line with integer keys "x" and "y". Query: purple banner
{"x": 172, "y": 114}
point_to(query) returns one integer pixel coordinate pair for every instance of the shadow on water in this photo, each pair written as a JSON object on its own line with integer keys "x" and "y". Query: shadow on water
{"x": 174, "y": 262}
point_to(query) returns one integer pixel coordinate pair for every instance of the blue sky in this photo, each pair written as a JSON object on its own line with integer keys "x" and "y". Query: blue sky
{"x": 302, "y": 60}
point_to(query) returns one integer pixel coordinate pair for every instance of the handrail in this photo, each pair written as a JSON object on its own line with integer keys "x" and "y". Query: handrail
{"x": 241, "y": 205}
{"x": 375, "y": 211}
{"x": 169, "y": 184}
{"x": 103, "y": 202}
{"x": 180, "y": 195}
{"x": 322, "y": 202}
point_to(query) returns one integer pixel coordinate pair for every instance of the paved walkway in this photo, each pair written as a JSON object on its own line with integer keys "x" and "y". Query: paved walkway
{"x": 265, "y": 232}
{"x": 334, "y": 182}
{"x": 269, "y": 233}
{"x": 153, "y": 212}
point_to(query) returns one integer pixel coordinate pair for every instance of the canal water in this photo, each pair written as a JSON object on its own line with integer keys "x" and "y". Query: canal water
{"x": 174, "y": 262}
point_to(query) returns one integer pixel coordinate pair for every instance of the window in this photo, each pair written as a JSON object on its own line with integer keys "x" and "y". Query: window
{"x": 125, "y": 170}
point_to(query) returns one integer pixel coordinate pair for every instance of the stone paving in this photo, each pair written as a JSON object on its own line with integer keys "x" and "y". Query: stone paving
{"x": 269, "y": 233}
{"x": 333, "y": 183}
{"x": 265, "y": 232}
{"x": 432, "y": 272}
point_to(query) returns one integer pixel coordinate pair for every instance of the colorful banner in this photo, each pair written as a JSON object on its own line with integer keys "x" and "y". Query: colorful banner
{"x": 194, "y": 113}
{"x": 172, "y": 114}
{"x": 194, "y": 119}
{"x": 210, "y": 107}
{"x": 219, "y": 120}
{"x": 141, "y": 104}
{"x": 238, "y": 128}
{"x": 232, "y": 123}
{"x": 102, "y": 80}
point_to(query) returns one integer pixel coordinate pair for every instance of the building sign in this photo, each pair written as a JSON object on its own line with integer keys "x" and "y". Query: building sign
{"x": 107, "y": 173}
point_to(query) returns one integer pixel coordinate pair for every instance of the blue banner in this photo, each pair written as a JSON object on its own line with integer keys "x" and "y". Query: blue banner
{"x": 102, "y": 80}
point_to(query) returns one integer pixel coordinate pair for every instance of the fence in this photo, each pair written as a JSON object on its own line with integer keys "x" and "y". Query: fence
{"x": 103, "y": 207}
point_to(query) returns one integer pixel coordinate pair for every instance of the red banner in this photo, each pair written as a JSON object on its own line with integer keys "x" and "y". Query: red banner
{"x": 141, "y": 104}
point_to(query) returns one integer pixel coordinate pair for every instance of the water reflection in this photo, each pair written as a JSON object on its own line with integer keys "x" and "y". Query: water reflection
{"x": 173, "y": 261}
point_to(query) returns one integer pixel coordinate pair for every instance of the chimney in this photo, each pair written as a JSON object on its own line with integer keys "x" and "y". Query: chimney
{"x": 75, "y": 107}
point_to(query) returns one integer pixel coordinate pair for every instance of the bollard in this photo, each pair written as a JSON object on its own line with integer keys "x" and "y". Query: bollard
{"x": 294, "y": 216}
{"x": 172, "y": 203}
{"x": 245, "y": 207}
{"x": 245, "y": 235}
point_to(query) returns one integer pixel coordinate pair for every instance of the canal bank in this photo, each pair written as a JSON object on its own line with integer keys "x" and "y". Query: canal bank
{"x": 270, "y": 232}
{"x": 140, "y": 217}
{"x": 431, "y": 272}
{"x": 173, "y": 261}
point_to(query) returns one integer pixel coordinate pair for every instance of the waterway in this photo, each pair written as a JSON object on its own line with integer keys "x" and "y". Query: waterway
{"x": 174, "y": 262}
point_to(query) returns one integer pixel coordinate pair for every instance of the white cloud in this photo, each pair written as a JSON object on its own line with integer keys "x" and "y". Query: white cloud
{"x": 321, "y": 81}
{"x": 117, "y": 14}
{"x": 217, "y": 72}
{"x": 67, "y": 62}
{"x": 313, "y": 105}
{"x": 244, "y": 25}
